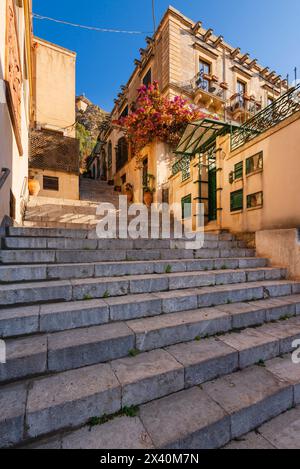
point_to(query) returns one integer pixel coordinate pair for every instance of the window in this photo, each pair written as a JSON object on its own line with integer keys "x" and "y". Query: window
{"x": 186, "y": 205}
{"x": 122, "y": 153}
{"x": 254, "y": 163}
{"x": 204, "y": 69}
{"x": 109, "y": 155}
{"x": 124, "y": 178}
{"x": 185, "y": 168}
{"x": 238, "y": 170}
{"x": 270, "y": 101}
{"x": 124, "y": 112}
{"x": 147, "y": 80}
{"x": 241, "y": 90}
{"x": 237, "y": 200}
{"x": 50, "y": 183}
{"x": 255, "y": 200}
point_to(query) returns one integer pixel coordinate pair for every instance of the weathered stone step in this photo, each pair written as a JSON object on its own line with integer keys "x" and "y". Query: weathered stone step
{"x": 282, "y": 432}
{"x": 88, "y": 346}
{"x": 87, "y": 234}
{"x": 28, "y": 256}
{"x": 23, "y": 273}
{"x": 210, "y": 417}
{"x": 23, "y": 320}
{"x": 86, "y": 289}
{"x": 123, "y": 244}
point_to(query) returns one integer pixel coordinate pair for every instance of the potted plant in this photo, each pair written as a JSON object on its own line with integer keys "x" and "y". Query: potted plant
{"x": 33, "y": 186}
{"x": 148, "y": 196}
{"x": 149, "y": 190}
{"x": 129, "y": 191}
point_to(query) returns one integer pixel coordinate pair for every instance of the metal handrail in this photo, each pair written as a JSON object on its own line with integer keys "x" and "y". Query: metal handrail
{"x": 5, "y": 172}
{"x": 279, "y": 110}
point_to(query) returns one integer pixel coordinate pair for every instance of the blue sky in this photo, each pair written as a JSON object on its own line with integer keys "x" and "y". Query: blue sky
{"x": 267, "y": 29}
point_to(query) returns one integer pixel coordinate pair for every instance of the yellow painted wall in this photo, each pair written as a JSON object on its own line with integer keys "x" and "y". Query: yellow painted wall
{"x": 54, "y": 86}
{"x": 68, "y": 184}
{"x": 279, "y": 180}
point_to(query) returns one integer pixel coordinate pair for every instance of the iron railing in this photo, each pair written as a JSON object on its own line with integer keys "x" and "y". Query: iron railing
{"x": 183, "y": 165}
{"x": 279, "y": 110}
{"x": 5, "y": 172}
{"x": 209, "y": 86}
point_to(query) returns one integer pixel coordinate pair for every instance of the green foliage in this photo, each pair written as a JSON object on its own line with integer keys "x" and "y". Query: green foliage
{"x": 86, "y": 143}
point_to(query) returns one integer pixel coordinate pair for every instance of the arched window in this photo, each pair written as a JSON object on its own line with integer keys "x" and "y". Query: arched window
{"x": 109, "y": 155}
{"x": 122, "y": 153}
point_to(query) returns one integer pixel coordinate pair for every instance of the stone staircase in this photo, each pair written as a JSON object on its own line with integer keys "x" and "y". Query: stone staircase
{"x": 49, "y": 212}
{"x": 140, "y": 343}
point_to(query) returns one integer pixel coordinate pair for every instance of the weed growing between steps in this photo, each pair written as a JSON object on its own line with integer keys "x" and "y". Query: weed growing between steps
{"x": 132, "y": 412}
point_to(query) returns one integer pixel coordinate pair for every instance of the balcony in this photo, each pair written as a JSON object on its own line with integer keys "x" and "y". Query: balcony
{"x": 243, "y": 107}
{"x": 208, "y": 92}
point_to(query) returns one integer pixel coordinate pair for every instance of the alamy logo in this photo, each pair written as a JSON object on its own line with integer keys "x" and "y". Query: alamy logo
{"x": 2, "y": 351}
{"x": 161, "y": 221}
{"x": 296, "y": 353}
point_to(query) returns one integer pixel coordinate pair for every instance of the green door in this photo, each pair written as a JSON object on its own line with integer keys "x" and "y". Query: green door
{"x": 212, "y": 194}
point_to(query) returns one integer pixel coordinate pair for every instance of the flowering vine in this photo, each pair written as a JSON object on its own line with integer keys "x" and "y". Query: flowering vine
{"x": 155, "y": 116}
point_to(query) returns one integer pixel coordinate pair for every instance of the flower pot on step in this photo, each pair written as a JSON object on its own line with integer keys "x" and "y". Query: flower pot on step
{"x": 34, "y": 187}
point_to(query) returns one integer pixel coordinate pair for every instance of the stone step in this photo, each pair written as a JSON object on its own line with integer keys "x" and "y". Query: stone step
{"x": 282, "y": 432}
{"x": 119, "y": 244}
{"x": 92, "y": 288}
{"x": 77, "y": 256}
{"x": 24, "y": 320}
{"x": 87, "y": 234}
{"x": 88, "y": 346}
{"x": 173, "y": 412}
{"x": 33, "y": 272}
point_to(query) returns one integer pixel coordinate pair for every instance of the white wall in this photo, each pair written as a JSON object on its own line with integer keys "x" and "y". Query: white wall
{"x": 9, "y": 154}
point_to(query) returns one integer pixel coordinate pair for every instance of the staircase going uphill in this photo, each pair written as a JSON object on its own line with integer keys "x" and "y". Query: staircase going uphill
{"x": 51, "y": 212}
{"x": 138, "y": 344}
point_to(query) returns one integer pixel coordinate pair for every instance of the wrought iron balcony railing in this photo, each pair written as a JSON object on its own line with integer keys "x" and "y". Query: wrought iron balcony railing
{"x": 183, "y": 165}
{"x": 208, "y": 85}
{"x": 279, "y": 110}
{"x": 239, "y": 102}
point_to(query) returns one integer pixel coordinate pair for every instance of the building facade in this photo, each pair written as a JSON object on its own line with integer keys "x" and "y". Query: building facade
{"x": 16, "y": 110}
{"x": 54, "y": 154}
{"x": 187, "y": 60}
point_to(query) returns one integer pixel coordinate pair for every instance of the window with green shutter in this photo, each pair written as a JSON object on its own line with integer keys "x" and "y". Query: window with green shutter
{"x": 237, "y": 200}
{"x": 186, "y": 206}
{"x": 238, "y": 170}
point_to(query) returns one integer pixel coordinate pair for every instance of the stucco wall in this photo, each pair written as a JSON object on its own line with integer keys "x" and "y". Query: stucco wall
{"x": 54, "y": 85}
{"x": 68, "y": 184}
{"x": 9, "y": 153}
{"x": 282, "y": 247}
{"x": 279, "y": 180}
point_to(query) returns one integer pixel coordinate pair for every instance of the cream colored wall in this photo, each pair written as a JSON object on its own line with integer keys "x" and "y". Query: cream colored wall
{"x": 282, "y": 247}
{"x": 9, "y": 153}
{"x": 54, "y": 80}
{"x": 279, "y": 180}
{"x": 68, "y": 184}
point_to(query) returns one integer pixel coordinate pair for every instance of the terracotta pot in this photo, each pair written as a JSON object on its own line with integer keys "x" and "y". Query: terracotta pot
{"x": 33, "y": 187}
{"x": 129, "y": 195}
{"x": 148, "y": 199}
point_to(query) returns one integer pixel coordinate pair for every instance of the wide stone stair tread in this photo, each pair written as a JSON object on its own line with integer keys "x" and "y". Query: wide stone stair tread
{"x": 205, "y": 417}
{"x": 198, "y": 340}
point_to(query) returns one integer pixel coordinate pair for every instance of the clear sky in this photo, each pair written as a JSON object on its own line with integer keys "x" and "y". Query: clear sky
{"x": 268, "y": 29}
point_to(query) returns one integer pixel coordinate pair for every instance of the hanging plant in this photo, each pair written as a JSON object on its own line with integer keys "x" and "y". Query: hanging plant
{"x": 155, "y": 116}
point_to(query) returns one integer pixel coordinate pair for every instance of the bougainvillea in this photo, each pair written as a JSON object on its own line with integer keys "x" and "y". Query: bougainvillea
{"x": 155, "y": 116}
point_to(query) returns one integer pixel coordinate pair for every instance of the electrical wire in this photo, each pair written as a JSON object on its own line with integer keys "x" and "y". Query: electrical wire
{"x": 90, "y": 28}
